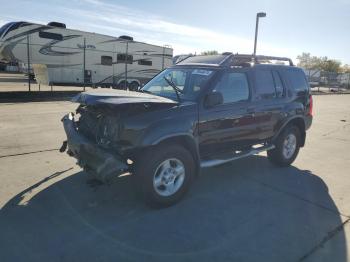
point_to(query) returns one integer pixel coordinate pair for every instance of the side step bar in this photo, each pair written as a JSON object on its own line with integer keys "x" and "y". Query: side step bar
{"x": 216, "y": 162}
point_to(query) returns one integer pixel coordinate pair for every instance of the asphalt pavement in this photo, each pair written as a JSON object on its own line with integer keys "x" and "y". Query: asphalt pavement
{"x": 247, "y": 210}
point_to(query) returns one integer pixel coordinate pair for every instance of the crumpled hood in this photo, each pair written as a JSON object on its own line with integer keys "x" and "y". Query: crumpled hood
{"x": 118, "y": 97}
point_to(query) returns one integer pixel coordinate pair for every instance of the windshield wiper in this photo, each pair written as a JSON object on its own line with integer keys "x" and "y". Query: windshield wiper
{"x": 177, "y": 90}
{"x": 145, "y": 91}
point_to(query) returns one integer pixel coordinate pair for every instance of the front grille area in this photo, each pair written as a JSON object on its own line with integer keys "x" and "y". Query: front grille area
{"x": 100, "y": 127}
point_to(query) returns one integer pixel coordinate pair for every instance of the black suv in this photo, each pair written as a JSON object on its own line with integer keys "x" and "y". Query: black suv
{"x": 202, "y": 112}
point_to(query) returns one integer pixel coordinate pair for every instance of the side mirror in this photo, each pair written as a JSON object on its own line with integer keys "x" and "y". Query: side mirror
{"x": 213, "y": 99}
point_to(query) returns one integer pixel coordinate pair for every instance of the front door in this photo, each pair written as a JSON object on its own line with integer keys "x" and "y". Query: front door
{"x": 231, "y": 124}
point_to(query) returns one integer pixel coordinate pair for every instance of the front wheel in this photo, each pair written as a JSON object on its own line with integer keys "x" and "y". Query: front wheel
{"x": 165, "y": 174}
{"x": 287, "y": 147}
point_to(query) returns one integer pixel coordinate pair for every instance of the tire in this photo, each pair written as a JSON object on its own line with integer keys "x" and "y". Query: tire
{"x": 152, "y": 168}
{"x": 121, "y": 85}
{"x": 134, "y": 86}
{"x": 283, "y": 154}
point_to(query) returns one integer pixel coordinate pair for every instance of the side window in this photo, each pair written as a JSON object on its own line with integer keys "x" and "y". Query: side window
{"x": 264, "y": 84}
{"x": 233, "y": 87}
{"x": 48, "y": 35}
{"x": 297, "y": 80}
{"x": 106, "y": 60}
{"x": 278, "y": 84}
{"x": 145, "y": 62}
{"x": 123, "y": 58}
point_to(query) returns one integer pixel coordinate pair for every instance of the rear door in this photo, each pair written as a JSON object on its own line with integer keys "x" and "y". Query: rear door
{"x": 269, "y": 100}
{"x": 231, "y": 124}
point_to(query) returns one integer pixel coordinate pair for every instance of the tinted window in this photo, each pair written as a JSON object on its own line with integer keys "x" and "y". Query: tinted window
{"x": 278, "y": 84}
{"x": 145, "y": 62}
{"x": 106, "y": 60}
{"x": 123, "y": 58}
{"x": 297, "y": 80}
{"x": 233, "y": 87}
{"x": 48, "y": 35}
{"x": 265, "y": 86}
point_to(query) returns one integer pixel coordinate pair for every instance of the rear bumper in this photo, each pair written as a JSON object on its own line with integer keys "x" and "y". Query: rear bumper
{"x": 104, "y": 165}
{"x": 308, "y": 121}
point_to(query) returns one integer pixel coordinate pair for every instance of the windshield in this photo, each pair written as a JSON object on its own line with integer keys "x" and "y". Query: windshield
{"x": 5, "y": 27}
{"x": 184, "y": 83}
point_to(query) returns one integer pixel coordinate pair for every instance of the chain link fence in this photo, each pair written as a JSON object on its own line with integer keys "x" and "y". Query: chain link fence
{"x": 318, "y": 78}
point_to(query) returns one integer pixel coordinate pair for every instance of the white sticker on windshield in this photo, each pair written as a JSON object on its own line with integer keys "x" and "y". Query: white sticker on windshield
{"x": 201, "y": 72}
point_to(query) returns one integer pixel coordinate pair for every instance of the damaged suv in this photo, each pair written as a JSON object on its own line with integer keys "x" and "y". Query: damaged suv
{"x": 202, "y": 112}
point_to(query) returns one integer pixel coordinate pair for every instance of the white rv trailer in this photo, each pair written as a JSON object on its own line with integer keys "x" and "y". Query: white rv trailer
{"x": 70, "y": 57}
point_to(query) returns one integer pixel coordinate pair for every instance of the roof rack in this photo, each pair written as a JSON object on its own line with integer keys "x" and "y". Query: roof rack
{"x": 230, "y": 59}
{"x": 248, "y": 60}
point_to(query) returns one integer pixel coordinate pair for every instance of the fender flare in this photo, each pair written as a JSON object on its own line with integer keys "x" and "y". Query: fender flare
{"x": 188, "y": 141}
{"x": 289, "y": 121}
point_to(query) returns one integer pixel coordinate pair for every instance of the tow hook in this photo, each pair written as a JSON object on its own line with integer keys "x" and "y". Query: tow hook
{"x": 64, "y": 146}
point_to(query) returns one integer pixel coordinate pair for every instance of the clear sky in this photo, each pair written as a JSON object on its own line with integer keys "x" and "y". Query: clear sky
{"x": 290, "y": 28}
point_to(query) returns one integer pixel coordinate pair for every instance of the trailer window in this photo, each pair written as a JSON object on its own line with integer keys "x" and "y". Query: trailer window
{"x": 48, "y": 35}
{"x": 124, "y": 58}
{"x": 106, "y": 60}
{"x": 145, "y": 62}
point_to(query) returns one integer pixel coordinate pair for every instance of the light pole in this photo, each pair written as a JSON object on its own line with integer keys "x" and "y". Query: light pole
{"x": 258, "y": 15}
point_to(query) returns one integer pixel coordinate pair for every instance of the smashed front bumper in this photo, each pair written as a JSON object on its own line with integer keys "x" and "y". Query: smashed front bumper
{"x": 102, "y": 164}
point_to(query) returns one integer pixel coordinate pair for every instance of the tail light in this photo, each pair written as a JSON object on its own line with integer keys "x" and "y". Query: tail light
{"x": 311, "y": 104}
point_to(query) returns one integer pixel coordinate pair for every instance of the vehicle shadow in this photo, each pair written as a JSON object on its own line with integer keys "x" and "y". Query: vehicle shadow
{"x": 244, "y": 211}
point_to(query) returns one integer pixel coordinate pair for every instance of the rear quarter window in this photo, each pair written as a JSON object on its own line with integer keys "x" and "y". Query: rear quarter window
{"x": 297, "y": 80}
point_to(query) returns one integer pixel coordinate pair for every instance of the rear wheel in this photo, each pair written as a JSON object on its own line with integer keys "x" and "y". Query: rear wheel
{"x": 287, "y": 147}
{"x": 165, "y": 174}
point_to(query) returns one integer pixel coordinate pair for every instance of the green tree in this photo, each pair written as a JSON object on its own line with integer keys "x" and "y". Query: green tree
{"x": 320, "y": 63}
{"x": 330, "y": 65}
{"x": 210, "y": 52}
{"x": 308, "y": 62}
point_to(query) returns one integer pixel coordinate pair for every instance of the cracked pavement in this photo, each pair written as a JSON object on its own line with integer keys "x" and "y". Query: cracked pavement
{"x": 247, "y": 210}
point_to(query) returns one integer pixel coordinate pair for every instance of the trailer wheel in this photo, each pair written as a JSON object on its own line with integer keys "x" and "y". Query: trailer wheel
{"x": 134, "y": 86}
{"x": 122, "y": 85}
